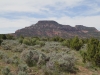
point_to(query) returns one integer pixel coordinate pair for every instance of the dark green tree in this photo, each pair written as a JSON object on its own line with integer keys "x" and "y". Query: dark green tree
{"x": 93, "y": 51}
{"x": 1, "y": 41}
{"x": 8, "y": 36}
{"x": 3, "y": 36}
{"x": 76, "y": 43}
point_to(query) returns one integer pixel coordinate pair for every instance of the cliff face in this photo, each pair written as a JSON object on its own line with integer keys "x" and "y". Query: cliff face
{"x": 52, "y": 28}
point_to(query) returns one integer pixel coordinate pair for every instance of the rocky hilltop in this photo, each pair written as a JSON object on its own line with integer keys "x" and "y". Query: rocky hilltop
{"x": 52, "y": 28}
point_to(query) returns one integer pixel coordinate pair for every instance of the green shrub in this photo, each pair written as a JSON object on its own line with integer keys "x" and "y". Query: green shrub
{"x": 6, "y": 71}
{"x": 20, "y": 40}
{"x": 22, "y": 67}
{"x": 10, "y": 37}
{"x": 92, "y": 54}
{"x": 27, "y": 41}
{"x": 30, "y": 57}
{"x": 2, "y": 54}
{"x": 33, "y": 58}
{"x": 30, "y": 41}
{"x": 34, "y": 41}
{"x": 57, "y": 38}
{"x": 42, "y": 44}
{"x": 84, "y": 55}
{"x": 66, "y": 43}
{"x": 76, "y": 43}
{"x": 3, "y": 36}
{"x": 93, "y": 51}
{"x": 1, "y": 41}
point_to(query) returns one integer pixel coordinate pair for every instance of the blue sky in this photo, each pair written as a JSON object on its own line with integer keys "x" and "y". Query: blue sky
{"x": 16, "y": 14}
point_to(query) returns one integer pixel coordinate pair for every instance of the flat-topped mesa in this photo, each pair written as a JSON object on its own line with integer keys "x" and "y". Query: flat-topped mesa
{"x": 81, "y": 27}
{"x": 42, "y": 22}
{"x": 50, "y": 28}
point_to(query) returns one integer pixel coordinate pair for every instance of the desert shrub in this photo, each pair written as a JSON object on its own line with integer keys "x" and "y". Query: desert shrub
{"x": 42, "y": 44}
{"x": 32, "y": 57}
{"x": 9, "y": 44}
{"x": 22, "y": 67}
{"x": 19, "y": 48}
{"x": 6, "y": 71}
{"x": 30, "y": 48}
{"x": 7, "y": 60}
{"x": 67, "y": 63}
{"x": 61, "y": 62}
{"x": 4, "y": 57}
{"x": 2, "y": 54}
{"x": 14, "y": 60}
{"x": 22, "y": 73}
{"x": 7, "y": 47}
{"x": 42, "y": 59}
{"x": 46, "y": 50}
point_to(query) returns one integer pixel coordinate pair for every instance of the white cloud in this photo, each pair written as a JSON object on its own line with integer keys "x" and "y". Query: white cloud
{"x": 93, "y": 7}
{"x": 43, "y": 7}
{"x": 90, "y": 21}
{"x": 34, "y": 5}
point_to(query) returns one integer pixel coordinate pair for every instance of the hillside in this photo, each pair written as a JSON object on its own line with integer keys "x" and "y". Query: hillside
{"x": 35, "y": 56}
{"x": 52, "y": 28}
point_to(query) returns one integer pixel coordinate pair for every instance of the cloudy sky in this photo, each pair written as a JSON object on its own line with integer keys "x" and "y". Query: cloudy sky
{"x": 16, "y": 14}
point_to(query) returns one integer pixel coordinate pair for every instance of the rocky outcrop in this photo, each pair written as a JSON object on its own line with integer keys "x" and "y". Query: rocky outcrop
{"x": 52, "y": 28}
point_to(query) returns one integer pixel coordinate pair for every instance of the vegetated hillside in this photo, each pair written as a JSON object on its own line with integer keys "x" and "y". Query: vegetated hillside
{"x": 49, "y": 56}
{"x": 52, "y": 28}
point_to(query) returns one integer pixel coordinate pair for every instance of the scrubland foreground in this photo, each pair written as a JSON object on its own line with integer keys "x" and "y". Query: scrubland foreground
{"x": 49, "y": 56}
